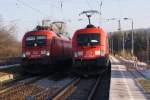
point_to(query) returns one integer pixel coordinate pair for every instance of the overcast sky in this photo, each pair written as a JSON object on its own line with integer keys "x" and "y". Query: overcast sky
{"x": 26, "y": 14}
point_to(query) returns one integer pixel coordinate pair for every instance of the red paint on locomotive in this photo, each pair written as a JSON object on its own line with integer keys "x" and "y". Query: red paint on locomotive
{"x": 44, "y": 49}
{"x": 90, "y": 47}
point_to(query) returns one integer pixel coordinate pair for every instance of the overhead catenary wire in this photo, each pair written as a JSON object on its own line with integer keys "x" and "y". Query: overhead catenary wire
{"x": 61, "y": 6}
{"x": 27, "y": 5}
{"x": 100, "y": 3}
{"x": 88, "y": 4}
{"x": 100, "y": 8}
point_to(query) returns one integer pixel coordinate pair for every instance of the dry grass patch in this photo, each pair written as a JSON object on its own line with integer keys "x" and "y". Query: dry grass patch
{"x": 9, "y": 45}
{"x": 145, "y": 84}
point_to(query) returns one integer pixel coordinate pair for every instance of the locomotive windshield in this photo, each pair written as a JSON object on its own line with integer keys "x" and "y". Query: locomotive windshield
{"x": 88, "y": 39}
{"x": 37, "y": 40}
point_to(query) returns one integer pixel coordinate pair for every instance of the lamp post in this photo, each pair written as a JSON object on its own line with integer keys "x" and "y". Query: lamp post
{"x": 119, "y": 30}
{"x": 111, "y": 36}
{"x": 132, "y": 49}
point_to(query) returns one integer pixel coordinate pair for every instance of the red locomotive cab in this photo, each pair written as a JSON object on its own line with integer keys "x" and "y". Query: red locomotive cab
{"x": 35, "y": 44}
{"x": 90, "y": 47}
{"x": 90, "y": 44}
{"x": 42, "y": 50}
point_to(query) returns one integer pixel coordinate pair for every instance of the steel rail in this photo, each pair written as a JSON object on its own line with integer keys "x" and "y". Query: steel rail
{"x": 19, "y": 87}
{"x": 9, "y": 66}
{"x": 91, "y": 94}
{"x": 66, "y": 91}
{"x": 22, "y": 82}
{"x": 53, "y": 93}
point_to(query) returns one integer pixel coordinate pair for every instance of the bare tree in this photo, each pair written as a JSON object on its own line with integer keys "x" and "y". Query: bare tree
{"x": 9, "y": 46}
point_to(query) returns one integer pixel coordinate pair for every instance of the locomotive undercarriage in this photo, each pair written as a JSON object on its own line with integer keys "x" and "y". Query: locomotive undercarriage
{"x": 45, "y": 65}
{"x": 91, "y": 67}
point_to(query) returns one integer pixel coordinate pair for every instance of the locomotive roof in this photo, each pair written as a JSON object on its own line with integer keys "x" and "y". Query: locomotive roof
{"x": 44, "y": 32}
{"x": 39, "y": 31}
{"x": 90, "y": 30}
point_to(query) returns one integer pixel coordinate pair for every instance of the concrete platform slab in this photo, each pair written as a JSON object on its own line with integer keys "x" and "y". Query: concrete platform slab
{"x": 123, "y": 84}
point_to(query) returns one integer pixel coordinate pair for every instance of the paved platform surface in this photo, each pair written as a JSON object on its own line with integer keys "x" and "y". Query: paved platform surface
{"x": 123, "y": 85}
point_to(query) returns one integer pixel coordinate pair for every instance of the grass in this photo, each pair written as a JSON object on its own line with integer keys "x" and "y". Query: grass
{"x": 145, "y": 84}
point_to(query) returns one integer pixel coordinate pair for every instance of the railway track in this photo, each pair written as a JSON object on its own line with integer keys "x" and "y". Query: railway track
{"x": 14, "y": 82}
{"x": 9, "y": 66}
{"x": 21, "y": 89}
{"x": 85, "y": 89}
{"x": 24, "y": 79}
{"x": 19, "y": 92}
{"x": 33, "y": 89}
{"x": 96, "y": 88}
{"x": 56, "y": 91}
{"x": 73, "y": 89}
{"x": 46, "y": 88}
{"x": 77, "y": 89}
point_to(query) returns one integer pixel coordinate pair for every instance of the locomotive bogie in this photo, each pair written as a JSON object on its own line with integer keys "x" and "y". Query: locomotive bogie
{"x": 97, "y": 63}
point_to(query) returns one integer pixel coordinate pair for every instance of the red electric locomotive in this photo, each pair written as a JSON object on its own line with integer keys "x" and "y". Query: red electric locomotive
{"x": 44, "y": 50}
{"x": 90, "y": 47}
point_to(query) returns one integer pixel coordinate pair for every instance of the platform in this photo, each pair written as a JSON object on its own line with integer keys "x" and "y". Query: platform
{"x": 123, "y": 85}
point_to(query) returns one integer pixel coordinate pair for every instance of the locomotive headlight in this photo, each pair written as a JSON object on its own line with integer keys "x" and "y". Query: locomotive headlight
{"x": 47, "y": 53}
{"x": 80, "y": 53}
{"x": 23, "y": 55}
{"x": 75, "y": 54}
{"x": 102, "y": 53}
{"x": 97, "y": 53}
